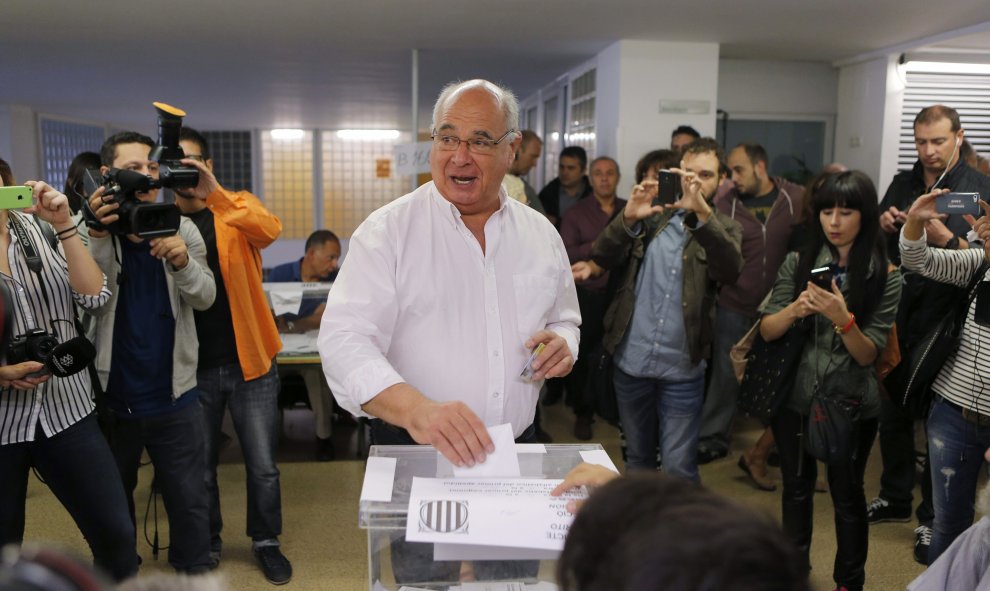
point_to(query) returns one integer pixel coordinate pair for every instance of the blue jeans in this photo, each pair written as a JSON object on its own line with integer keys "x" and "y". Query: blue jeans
{"x": 254, "y": 409}
{"x": 175, "y": 445}
{"x": 723, "y": 389}
{"x": 955, "y": 450}
{"x": 78, "y": 467}
{"x": 659, "y": 411}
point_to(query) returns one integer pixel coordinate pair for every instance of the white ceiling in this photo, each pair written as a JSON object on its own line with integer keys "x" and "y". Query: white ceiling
{"x": 347, "y": 63}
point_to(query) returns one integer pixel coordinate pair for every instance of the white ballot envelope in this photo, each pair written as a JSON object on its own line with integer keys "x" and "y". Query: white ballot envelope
{"x": 506, "y": 512}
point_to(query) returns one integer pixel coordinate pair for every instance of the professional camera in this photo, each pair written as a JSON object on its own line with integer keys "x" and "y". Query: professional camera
{"x": 147, "y": 220}
{"x": 172, "y": 174}
{"x": 34, "y": 345}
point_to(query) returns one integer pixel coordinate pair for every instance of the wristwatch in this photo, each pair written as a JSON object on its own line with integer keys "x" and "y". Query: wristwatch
{"x": 953, "y": 243}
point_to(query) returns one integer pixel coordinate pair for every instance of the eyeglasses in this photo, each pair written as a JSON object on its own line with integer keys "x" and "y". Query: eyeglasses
{"x": 476, "y": 145}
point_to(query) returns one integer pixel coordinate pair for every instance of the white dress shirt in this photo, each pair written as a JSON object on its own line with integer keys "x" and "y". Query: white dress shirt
{"x": 419, "y": 302}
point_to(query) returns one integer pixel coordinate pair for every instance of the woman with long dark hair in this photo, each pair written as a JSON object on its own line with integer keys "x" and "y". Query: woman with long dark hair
{"x": 846, "y": 322}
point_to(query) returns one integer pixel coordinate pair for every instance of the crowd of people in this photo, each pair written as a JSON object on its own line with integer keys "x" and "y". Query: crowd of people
{"x": 605, "y": 302}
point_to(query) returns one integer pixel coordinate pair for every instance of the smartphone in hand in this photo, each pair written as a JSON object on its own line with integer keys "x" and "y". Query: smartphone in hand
{"x": 959, "y": 204}
{"x": 669, "y": 189}
{"x": 17, "y": 197}
{"x": 822, "y": 277}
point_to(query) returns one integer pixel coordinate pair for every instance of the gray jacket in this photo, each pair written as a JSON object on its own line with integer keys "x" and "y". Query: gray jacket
{"x": 190, "y": 288}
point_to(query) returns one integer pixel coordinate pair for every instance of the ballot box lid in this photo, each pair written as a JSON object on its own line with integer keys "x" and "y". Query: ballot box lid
{"x": 535, "y": 461}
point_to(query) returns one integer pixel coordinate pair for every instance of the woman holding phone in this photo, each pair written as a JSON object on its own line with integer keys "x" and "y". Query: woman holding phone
{"x": 846, "y": 328}
{"x": 46, "y": 421}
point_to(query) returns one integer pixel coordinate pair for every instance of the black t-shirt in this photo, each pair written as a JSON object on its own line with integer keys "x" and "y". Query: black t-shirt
{"x": 214, "y": 326}
{"x": 761, "y": 206}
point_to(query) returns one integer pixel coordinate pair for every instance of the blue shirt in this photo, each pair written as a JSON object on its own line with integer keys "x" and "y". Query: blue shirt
{"x": 140, "y": 383}
{"x": 655, "y": 346}
{"x": 289, "y": 272}
{"x": 292, "y": 272}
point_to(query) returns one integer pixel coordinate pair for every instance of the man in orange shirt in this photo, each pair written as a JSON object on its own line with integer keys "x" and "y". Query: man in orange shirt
{"x": 238, "y": 343}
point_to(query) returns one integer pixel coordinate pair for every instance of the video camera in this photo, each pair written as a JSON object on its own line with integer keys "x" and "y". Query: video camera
{"x": 147, "y": 220}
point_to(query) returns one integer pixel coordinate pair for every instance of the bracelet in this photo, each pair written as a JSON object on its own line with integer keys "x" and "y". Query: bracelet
{"x": 844, "y": 329}
{"x": 63, "y": 238}
{"x": 953, "y": 243}
{"x": 71, "y": 228}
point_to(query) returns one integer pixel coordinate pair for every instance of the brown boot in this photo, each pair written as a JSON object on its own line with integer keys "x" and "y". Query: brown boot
{"x": 757, "y": 473}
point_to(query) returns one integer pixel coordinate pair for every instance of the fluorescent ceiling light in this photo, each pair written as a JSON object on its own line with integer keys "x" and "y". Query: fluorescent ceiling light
{"x": 580, "y": 136}
{"x": 368, "y": 134}
{"x": 947, "y": 67}
{"x": 288, "y": 134}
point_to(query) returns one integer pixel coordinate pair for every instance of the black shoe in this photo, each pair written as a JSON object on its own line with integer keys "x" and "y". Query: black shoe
{"x": 582, "y": 428}
{"x": 707, "y": 455}
{"x": 277, "y": 568}
{"x": 324, "y": 449}
{"x": 922, "y": 540}
{"x": 880, "y": 510}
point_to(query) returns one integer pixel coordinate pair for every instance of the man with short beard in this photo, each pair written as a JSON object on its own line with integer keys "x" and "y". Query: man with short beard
{"x": 767, "y": 208}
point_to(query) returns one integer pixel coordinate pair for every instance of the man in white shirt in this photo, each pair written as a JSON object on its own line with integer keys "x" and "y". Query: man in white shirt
{"x": 448, "y": 290}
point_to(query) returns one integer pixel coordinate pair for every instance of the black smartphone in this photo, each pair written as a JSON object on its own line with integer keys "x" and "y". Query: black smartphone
{"x": 669, "y": 187}
{"x": 822, "y": 277}
{"x": 959, "y": 204}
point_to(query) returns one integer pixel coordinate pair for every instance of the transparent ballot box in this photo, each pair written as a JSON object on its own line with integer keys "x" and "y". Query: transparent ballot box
{"x": 394, "y": 562}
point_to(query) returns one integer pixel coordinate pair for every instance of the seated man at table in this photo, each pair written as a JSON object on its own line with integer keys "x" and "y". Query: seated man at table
{"x": 319, "y": 264}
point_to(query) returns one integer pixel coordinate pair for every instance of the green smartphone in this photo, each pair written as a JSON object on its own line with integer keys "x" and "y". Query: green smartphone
{"x": 17, "y": 197}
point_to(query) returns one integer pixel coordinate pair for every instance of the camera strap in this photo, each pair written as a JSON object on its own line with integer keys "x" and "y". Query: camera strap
{"x": 34, "y": 263}
{"x": 27, "y": 245}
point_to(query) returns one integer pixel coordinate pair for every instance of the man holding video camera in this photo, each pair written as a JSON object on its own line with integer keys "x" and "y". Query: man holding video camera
{"x": 938, "y": 137}
{"x": 46, "y": 415}
{"x": 238, "y": 343}
{"x": 670, "y": 258}
{"x": 147, "y": 349}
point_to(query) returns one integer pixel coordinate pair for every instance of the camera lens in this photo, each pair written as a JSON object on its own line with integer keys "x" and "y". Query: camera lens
{"x": 44, "y": 347}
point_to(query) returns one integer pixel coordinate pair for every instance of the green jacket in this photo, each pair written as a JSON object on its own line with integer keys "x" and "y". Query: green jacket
{"x": 830, "y": 355}
{"x": 712, "y": 255}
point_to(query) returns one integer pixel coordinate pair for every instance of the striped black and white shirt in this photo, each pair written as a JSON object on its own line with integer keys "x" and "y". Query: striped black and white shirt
{"x": 60, "y": 402}
{"x": 965, "y": 377}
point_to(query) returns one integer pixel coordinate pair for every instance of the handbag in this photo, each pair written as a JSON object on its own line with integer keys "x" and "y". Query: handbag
{"x": 833, "y": 422}
{"x": 770, "y": 371}
{"x": 926, "y": 358}
{"x": 739, "y": 353}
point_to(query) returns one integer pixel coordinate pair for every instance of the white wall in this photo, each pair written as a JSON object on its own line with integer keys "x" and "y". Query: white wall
{"x": 633, "y": 76}
{"x": 893, "y": 105}
{"x": 866, "y": 125}
{"x": 6, "y": 147}
{"x": 19, "y": 141}
{"x": 769, "y": 87}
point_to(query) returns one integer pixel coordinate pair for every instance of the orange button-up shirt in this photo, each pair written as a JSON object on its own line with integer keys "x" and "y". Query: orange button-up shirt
{"x": 243, "y": 227}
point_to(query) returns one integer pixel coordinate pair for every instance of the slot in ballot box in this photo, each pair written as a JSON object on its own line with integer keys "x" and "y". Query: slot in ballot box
{"x": 394, "y": 562}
